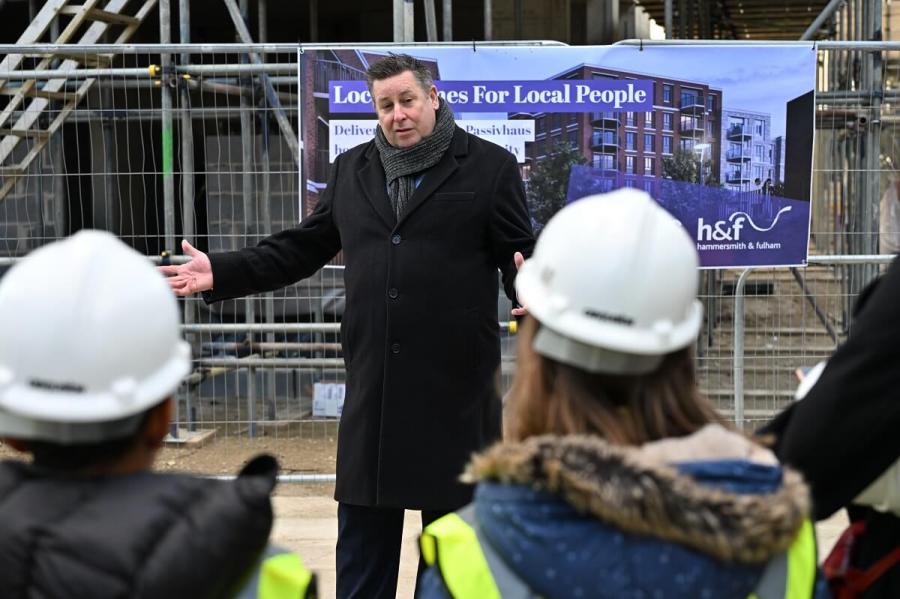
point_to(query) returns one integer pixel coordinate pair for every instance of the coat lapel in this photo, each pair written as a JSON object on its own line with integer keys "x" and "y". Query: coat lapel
{"x": 374, "y": 186}
{"x": 435, "y": 176}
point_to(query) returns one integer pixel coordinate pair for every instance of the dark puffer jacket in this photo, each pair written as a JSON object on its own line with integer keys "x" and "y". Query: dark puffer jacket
{"x": 142, "y": 535}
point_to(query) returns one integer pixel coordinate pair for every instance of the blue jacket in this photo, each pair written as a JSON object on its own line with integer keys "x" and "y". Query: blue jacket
{"x": 576, "y": 517}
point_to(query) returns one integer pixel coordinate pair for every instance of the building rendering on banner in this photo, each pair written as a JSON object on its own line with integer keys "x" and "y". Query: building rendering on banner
{"x": 631, "y": 146}
{"x": 748, "y": 154}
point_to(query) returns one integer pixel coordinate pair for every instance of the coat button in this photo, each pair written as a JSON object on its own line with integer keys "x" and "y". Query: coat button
{"x": 396, "y": 239}
{"x": 395, "y": 348}
{"x": 393, "y": 293}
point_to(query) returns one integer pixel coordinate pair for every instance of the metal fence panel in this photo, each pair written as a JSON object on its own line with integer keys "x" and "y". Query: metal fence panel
{"x": 207, "y": 150}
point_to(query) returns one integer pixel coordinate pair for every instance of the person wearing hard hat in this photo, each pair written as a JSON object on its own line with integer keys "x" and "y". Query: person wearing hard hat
{"x": 616, "y": 478}
{"x": 90, "y": 356}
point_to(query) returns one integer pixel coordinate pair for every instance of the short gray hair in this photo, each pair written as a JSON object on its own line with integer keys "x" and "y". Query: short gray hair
{"x": 395, "y": 64}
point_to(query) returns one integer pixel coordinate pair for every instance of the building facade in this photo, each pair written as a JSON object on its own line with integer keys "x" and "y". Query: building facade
{"x": 686, "y": 116}
{"x": 748, "y": 153}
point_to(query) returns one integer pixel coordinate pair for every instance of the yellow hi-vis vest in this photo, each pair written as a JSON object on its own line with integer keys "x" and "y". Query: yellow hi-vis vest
{"x": 471, "y": 569}
{"x": 280, "y": 574}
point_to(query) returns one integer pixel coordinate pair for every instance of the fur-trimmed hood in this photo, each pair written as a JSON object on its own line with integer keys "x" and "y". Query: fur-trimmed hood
{"x": 663, "y": 490}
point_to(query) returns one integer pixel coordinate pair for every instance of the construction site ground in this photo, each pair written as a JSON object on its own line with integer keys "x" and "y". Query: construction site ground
{"x": 306, "y": 514}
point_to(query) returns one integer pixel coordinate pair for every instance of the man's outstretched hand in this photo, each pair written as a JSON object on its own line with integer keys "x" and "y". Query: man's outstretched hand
{"x": 191, "y": 277}
{"x": 519, "y": 259}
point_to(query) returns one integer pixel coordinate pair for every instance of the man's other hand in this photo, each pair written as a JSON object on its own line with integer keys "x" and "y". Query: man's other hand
{"x": 191, "y": 277}
{"x": 519, "y": 259}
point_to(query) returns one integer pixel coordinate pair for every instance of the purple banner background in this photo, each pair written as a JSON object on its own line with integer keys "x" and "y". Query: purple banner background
{"x": 613, "y": 95}
{"x": 724, "y": 214}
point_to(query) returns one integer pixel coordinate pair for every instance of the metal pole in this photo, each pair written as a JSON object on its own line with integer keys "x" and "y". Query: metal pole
{"x": 249, "y": 219}
{"x": 262, "y": 15}
{"x": 447, "y": 20}
{"x": 187, "y": 179}
{"x": 519, "y": 27}
{"x": 165, "y": 37}
{"x": 289, "y": 478}
{"x": 670, "y": 33}
{"x": 398, "y": 21}
{"x": 738, "y": 364}
{"x": 314, "y": 21}
{"x": 57, "y": 160}
{"x": 409, "y": 21}
{"x": 875, "y": 88}
{"x": 266, "y": 204}
{"x": 826, "y": 13}
{"x": 283, "y": 123}
{"x": 187, "y": 133}
{"x": 488, "y": 23}
{"x": 430, "y": 21}
{"x": 76, "y": 77}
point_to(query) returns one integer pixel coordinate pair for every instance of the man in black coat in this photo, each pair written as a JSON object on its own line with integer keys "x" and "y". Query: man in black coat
{"x": 425, "y": 215}
{"x": 846, "y": 431}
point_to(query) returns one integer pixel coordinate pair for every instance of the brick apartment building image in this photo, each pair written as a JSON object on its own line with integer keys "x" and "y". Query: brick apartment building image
{"x": 631, "y": 146}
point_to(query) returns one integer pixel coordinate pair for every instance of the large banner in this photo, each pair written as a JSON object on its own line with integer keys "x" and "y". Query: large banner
{"x": 721, "y": 136}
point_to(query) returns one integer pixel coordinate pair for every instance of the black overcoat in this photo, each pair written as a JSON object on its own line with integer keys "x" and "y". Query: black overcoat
{"x": 846, "y": 431}
{"x": 419, "y": 332}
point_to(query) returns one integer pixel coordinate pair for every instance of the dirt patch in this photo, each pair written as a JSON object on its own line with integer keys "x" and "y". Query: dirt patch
{"x": 227, "y": 455}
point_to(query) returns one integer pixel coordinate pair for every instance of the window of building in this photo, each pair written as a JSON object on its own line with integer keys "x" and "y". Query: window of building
{"x": 648, "y": 187}
{"x": 539, "y": 125}
{"x": 667, "y": 144}
{"x": 648, "y": 167}
{"x": 758, "y": 151}
{"x": 667, "y": 94}
{"x": 686, "y": 143}
{"x": 629, "y": 119}
{"x": 759, "y": 127}
{"x": 667, "y": 121}
{"x": 573, "y": 137}
{"x": 556, "y": 121}
{"x": 648, "y": 119}
{"x": 629, "y": 165}
{"x": 630, "y": 140}
{"x": 711, "y": 103}
{"x": 758, "y": 172}
{"x": 691, "y": 97}
{"x": 690, "y": 123}
{"x": 649, "y": 145}
{"x": 630, "y": 183}
{"x": 604, "y": 161}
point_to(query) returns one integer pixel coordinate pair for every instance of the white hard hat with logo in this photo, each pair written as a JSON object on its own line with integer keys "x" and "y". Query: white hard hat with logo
{"x": 613, "y": 283}
{"x": 90, "y": 341}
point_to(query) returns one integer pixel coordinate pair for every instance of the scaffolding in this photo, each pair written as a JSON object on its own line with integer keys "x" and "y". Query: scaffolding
{"x": 158, "y": 142}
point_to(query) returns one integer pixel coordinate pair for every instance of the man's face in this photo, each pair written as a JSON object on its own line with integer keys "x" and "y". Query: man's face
{"x": 405, "y": 111}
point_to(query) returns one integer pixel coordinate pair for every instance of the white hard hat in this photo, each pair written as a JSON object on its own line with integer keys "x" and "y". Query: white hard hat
{"x": 90, "y": 341}
{"x": 613, "y": 283}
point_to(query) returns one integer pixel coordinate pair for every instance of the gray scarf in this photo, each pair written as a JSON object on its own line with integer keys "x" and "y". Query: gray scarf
{"x": 402, "y": 164}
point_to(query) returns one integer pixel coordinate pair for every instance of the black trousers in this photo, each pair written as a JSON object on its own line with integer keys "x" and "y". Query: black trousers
{"x": 367, "y": 558}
